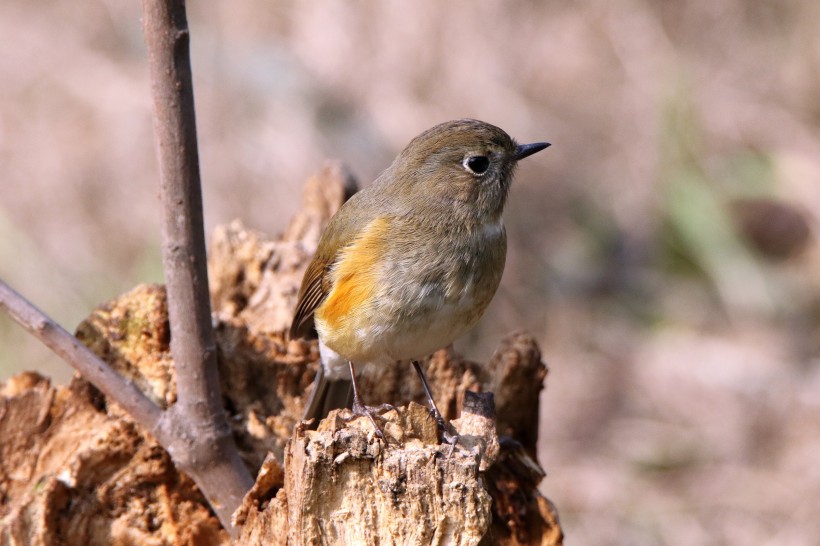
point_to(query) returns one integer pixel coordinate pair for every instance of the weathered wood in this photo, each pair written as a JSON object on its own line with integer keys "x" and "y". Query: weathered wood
{"x": 75, "y": 471}
{"x": 95, "y": 473}
{"x": 345, "y": 486}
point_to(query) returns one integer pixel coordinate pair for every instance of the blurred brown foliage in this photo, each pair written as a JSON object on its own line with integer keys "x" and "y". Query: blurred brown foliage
{"x": 685, "y": 359}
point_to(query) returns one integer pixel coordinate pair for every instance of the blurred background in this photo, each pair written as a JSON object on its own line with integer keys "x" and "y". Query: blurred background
{"x": 664, "y": 251}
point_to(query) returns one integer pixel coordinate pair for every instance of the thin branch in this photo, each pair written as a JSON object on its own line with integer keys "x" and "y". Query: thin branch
{"x": 186, "y": 274}
{"x": 194, "y": 430}
{"x": 205, "y": 447}
{"x": 80, "y": 357}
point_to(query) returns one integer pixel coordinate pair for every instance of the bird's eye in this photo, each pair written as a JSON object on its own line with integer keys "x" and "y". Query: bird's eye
{"x": 477, "y": 164}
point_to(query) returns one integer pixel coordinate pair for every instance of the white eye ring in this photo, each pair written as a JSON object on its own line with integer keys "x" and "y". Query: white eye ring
{"x": 476, "y": 164}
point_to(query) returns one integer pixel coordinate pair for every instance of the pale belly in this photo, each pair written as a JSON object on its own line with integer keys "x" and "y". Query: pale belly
{"x": 408, "y": 322}
{"x": 425, "y": 333}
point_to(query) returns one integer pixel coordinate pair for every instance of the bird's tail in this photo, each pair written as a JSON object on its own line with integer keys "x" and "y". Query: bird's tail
{"x": 327, "y": 395}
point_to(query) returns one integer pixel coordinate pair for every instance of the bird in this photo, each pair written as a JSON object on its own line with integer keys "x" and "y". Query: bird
{"x": 410, "y": 263}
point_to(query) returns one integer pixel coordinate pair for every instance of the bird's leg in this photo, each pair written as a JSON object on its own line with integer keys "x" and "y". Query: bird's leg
{"x": 358, "y": 406}
{"x": 433, "y": 408}
{"x": 442, "y": 424}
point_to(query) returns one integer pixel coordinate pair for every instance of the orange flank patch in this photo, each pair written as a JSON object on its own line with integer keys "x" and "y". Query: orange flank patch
{"x": 354, "y": 279}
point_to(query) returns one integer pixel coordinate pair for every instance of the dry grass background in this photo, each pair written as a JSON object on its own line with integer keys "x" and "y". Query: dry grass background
{"x": 683, "y": 404}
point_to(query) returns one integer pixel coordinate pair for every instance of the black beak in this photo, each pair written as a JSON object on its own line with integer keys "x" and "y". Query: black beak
{"x": 525, "y": 150}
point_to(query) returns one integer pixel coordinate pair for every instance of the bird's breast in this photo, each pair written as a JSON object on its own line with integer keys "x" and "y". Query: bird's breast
{"x": 399, "y": 294}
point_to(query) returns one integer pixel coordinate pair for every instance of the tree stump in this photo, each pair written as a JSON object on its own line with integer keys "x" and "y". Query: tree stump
{"x": 74, "y": 469}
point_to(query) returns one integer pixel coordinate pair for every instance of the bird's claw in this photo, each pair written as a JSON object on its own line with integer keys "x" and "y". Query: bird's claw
{"x": 444, "y": 428}
{"x": 370, "y": 412}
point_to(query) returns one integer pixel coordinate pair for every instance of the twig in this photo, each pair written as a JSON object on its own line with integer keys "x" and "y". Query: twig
{"x": 204, "y": 447}
{"x": 194, "y": 430}
{"x": 113, "y": 385}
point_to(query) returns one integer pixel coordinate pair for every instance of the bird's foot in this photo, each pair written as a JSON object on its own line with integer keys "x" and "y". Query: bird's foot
{"x": 445, "y": 429}
{"x": 371, "y": 412}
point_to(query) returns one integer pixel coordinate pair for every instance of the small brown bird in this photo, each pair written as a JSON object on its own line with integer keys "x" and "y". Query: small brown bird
{"x": 410, "y": 263}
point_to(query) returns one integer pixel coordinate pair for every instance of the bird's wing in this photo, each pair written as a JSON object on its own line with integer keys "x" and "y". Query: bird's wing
{"x": 314, "y": 290}
{"x": 342, "y": 230}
